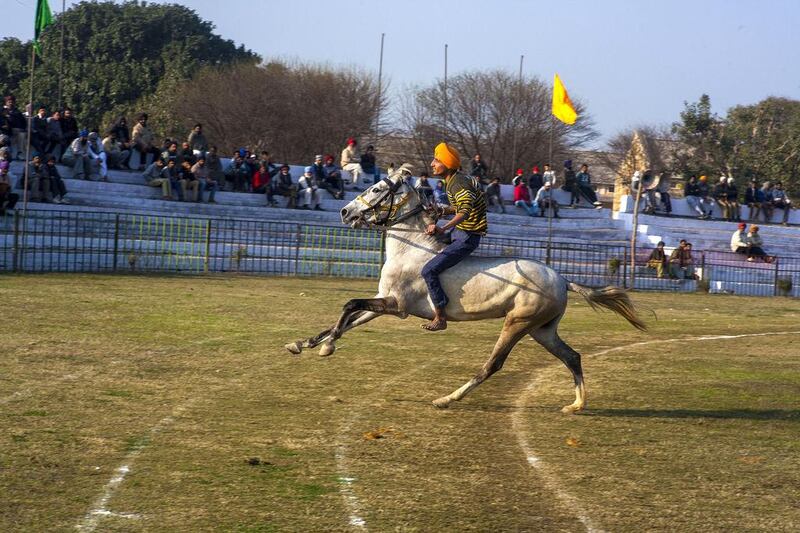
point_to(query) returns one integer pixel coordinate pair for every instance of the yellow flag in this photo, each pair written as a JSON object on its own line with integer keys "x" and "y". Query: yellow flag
{"x": 563, "y": 109}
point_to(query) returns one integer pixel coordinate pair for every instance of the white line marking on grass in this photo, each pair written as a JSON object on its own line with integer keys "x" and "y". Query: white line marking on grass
{"x": 100, "y": 509}
{"x": 551, "y": 481}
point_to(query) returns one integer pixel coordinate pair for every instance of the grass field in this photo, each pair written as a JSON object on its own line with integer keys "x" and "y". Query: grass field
{"x": 169, "y": 404}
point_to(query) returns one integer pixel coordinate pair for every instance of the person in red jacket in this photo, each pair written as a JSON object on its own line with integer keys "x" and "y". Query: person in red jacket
{"x": 261, "y": 183}
{"x": 522, "y": 198}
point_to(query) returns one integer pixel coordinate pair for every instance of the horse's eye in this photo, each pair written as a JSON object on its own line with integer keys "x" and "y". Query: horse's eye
{"x": 376, "y": 190}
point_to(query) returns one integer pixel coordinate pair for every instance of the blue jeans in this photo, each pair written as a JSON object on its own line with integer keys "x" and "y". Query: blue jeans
{"x": 463, "y": 244}
{"x": 211, "y": 186}
{"x": 532, "y": 209}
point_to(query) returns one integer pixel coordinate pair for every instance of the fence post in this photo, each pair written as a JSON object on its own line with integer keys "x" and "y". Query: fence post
{"x": 297, "y": 251}
{"x": 625, "y": 269}
{"x": 116, "y": 242}
{"x": 703, "y": 266}
{"x": 207, "y": 250}
{"x": 15, "y": 253}
{"x": 775, "y": 282}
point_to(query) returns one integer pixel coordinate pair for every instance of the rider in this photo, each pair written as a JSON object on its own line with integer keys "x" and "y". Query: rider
{"x": 468, "y": 204}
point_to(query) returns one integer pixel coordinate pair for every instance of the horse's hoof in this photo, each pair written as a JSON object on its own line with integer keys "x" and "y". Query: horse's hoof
{"x": 571, "y": 409}
{"x": 441, "y": 403}
{"x": 294, "y": 347}
{"x": 327, "y": 349}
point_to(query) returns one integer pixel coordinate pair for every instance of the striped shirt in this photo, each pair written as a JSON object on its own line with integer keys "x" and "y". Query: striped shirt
{"x": 466, "y": 197}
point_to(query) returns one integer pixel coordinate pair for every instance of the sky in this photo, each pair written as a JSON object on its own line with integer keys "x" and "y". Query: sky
{"x": 630, "y": 62}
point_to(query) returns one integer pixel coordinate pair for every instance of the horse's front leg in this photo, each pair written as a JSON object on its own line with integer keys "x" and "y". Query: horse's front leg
{"x": 311, "y": 342}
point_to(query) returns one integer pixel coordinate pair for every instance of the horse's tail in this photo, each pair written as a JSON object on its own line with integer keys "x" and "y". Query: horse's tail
{"x": 612, "y": 298}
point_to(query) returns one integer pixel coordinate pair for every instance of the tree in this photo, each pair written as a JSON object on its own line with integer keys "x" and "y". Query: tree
{"x": 493, "y": 114}
{"x": 116, "y": 54}
{"x": 14, "y": 60}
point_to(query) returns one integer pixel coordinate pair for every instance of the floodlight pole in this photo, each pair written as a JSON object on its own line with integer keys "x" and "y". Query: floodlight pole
{"x": 444, "y": 126}
{"x": 61, "y": 56}
{"x": 378, "y": 108}
{"x": 519, "y": 97}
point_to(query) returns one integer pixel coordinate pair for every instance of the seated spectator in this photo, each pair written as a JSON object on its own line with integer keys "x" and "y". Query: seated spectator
{"x": 309, "y": 189}
{"x": 691, "y": 192}
{"x": 440, "y": 193}
{"x": 663, "y": 194}
{"x": 176, "y": 184}
{"x": 238, "y": 174}
{"x": 122, "y": 133}
{"x": 38, "y": 180}
{"x": 739, "y": 240}
{"x": 369, "y": 164}
{"x": 658, "y": 260}
{"x": 535, "y": 181}
{"x": 781, "y": 201}
{"x": 18, "y": 125}
{"x": 78, "y": 157}
{"x": 8, "y": 199}
{"x": 283, "y": 186}
{"x": 480, "y": 171}
{"x": 69, "y": 127}
{"x": 681, "y": 262}
{"x": 734, "y": 209}
{"x": 424, "y": 186}
{"x": 262, "y": 185}
{"x": 754, "y": 199}
{"x": 185, "y": 153}
{"x": 545, "y": 200}
{"x": 154, "y": 177}
{"x": 493, "y": 196}
{"x": 767, "y": 190}
{"x": 351, "y": 162}
{"x": 39, "y": 139}
{"x": 98, "y": 155}
{"x": 548, "y": 175}
{"x": 214, "y": 164}
{"x": 57, "y": 186}
{"x": 522, "y": 197}
{"x": 755, "y": 246}
{"x": 583, "y": 181}
{"x": 704, "y": 190}
{"x": 143, "y": 140}
{"x": 721, "y": 196}
{"x": 55, "y": 137}
{"x": 189, "y": 182}
{"x": 207, "y": 183}
{"x": 171, "y": 152}
{"x": 197, "y": 140}
{"x": 333, "y": 178}
{"x": 116, "y": 155}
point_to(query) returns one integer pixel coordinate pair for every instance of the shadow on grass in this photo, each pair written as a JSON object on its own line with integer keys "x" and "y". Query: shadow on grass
{"x": 728, "y": 414}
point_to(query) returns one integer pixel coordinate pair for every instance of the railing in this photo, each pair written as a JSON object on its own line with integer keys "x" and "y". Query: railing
{"x": 78, "y": 241}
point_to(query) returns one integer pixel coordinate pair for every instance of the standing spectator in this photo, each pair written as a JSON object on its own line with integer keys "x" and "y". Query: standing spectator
{"x": 493, "y": 196}
{"x": 522, "y": 198}
{"x": 549, "y": 175}
{"x": 55, "y": 137}
{"x": 545, "y": 200}
{"x": 755, "y": 246}
{"x": 197, "y": 140}
{"x": 739, "y": 239}
{"x": 369, "y": 164}
{"x": 571, "y": 184}
{"x": 238, "y": 174}
{"x": 57, "y": 186}
{"x": 143, "y": 140}
{"x": 98, "y": 155}
{"x": 351, "y": 162}
{"x": 754, "y": 199}
{"x": 262, "y": 185}
{"x": 309, "y": 188}
{"x": 116, "y": 155}
{"x": 283, "y": 186}
{"x": 207, "y": 183}
{"x": 733, "y": 201}
{"x": 18, "y": 126}
{"x": 721, "y": 196}
{"x": 78, "y": 157}
{"x": 154, "y": 177}
{"x": 681, "y": 262}
{"x": 8, "y": 199}
{"x": 38, "y": 180}
{"x": 440, "y": 194}
{"x": 658, "y": 260}
{"x": 479, "y": 170}
{"x": 781, "y": 201}
{"x": 69, "y": 126}
{"x": 535, "y": 181}
{"x": 424, "y": 186}
{"x": 332, "y": 178}
{"x": 214, "y": 164}
{"x": 39, "y": 138}
{"x": 583, "y": 180}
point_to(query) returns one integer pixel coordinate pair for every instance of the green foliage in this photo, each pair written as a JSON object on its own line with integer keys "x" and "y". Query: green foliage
{"x": 116, "y": 54}
{"x": 784, "y": 286}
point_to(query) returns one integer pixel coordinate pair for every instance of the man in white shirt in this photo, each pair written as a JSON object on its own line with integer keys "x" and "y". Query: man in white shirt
{"x": 351, "y": 162}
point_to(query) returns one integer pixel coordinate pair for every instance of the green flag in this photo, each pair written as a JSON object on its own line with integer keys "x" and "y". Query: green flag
{"x": 43, "y": 19}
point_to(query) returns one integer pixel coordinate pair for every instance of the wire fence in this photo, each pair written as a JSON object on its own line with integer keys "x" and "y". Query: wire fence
{"x": 78, "y": 241}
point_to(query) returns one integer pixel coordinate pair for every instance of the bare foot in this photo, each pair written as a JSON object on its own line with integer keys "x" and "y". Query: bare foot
{"x": 435, "y": 325}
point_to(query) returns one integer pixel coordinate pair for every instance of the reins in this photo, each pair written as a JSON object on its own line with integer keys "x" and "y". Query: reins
{"x": 388, "y": 222}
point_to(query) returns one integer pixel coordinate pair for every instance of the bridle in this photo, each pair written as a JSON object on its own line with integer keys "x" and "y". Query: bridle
{"x": 385, "y": 215}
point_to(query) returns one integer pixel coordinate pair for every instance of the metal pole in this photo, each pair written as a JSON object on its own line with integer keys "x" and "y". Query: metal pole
{"x": 378, "y": 107}
{"x": 444, "y": 126}
{"x": 61, "y": 59}
{"x": 552, "y": 197}
{"x": 116, "y": 242}
{"x": 519, "y": 98}
{"x": 28, "y": 146}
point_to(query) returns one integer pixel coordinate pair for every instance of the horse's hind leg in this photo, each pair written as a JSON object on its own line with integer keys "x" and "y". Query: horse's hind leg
{"x": 311, "y": 342}
{"x": 548, "y": 337}
{"x": 512, "y": 332}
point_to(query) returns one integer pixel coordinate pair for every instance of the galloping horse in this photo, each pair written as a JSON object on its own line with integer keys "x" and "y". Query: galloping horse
{"x": 531, "y": 296}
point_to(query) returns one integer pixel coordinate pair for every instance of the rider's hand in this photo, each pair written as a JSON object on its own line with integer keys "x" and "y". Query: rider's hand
{"x": 433, "y": 229}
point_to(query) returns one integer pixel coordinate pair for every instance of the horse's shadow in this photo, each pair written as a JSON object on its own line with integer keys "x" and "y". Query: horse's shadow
{"x": 725, "y": 414}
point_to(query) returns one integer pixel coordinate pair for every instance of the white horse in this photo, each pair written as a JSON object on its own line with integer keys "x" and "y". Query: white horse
{"x": 531, "y": 296}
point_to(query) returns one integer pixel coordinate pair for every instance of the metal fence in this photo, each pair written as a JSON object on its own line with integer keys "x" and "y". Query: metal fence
{"x": 78, "y": 241}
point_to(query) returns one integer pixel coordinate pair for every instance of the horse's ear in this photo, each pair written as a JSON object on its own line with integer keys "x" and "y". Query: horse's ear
{"x": 404, "y": 171}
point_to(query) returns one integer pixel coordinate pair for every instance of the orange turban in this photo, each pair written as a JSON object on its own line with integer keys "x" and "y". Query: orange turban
{"x": 448, "y": 156}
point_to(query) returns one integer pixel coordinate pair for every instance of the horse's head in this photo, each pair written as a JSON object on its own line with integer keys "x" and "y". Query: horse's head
{"x": 389, "y": 201}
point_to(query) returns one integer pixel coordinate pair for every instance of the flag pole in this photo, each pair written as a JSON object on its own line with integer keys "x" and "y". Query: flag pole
{"x": 61, "y": 58}
{"x": 444, "y": 126}
{"x": 519, "y": 97}
{"x": 28, "y": 143}
{"x": 552, "y": 196}
{"x": 378, "y": 109}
